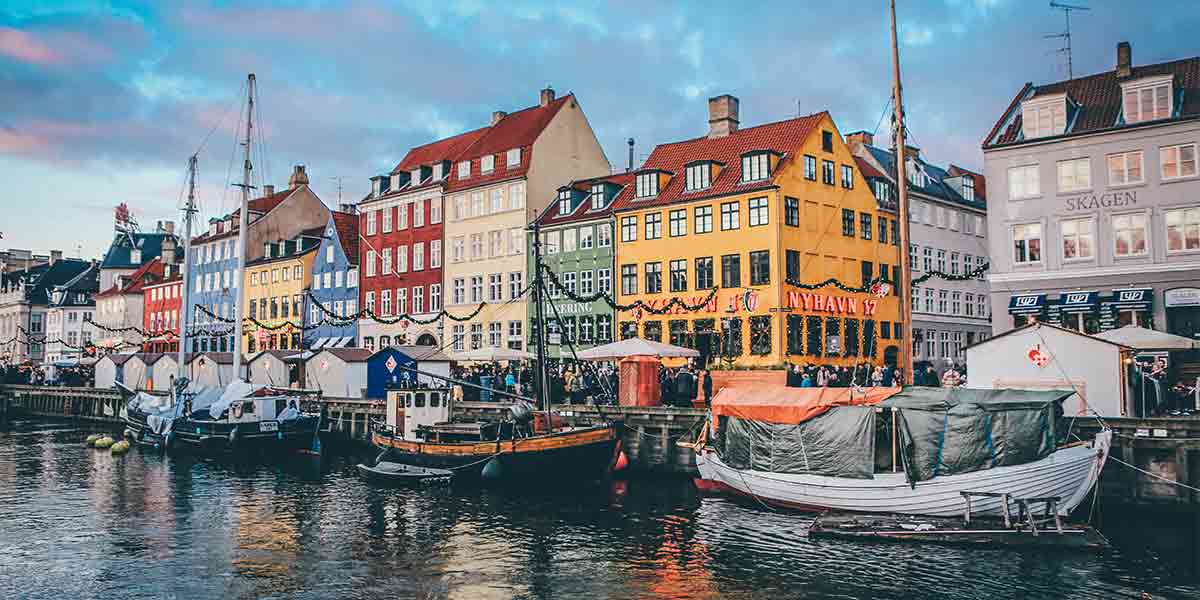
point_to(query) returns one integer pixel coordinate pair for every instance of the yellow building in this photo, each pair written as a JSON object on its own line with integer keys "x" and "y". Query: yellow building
{"x": 275, "y": 292}
{"x": 723, "y": 223}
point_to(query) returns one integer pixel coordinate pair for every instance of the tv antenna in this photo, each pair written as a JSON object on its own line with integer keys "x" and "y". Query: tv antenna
{"x": 338, "y": 179}
{"x": 1066, "y": 34}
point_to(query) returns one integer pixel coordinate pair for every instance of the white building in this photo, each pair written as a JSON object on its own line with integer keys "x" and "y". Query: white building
{"x": 70, "y": 306}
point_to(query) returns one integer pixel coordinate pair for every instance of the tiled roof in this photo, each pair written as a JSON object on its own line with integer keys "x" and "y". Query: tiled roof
{"x": 150, "y": 272}
{"x": 1099, "y": 100}
{"x": 867, "y": 169}
{"x": 584, "y": 211}
{"x": 785, "y": 137}
{"x": 262, "y": 204}
{"x": 935, "y": 185}
{"x": 40, "y": 279}
{"x": 348, "y": 354}
{"x": 87, "y": 282}
{"x": 445, "y": 149}
{"x": 347, "y": 231}
{"x": 119, "y": 255}
{"x": 516, "y": 130}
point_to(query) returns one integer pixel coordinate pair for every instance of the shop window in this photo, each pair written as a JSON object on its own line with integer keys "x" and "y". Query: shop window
{"x": 628, "y": 329}
{"x": 851, "y": 336}
{"x": 813, "y": 335}
{"x": 678, "y": 330}
{"x": 653, "y": 330}
{"x": 760, "y": 335}
{"x": 833, "y": 337}
{"x": 732, "y": 339}
{"x": 795, "y": 334}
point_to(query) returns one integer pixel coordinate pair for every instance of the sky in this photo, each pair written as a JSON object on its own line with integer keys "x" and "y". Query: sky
{"x": 102, "y": 102}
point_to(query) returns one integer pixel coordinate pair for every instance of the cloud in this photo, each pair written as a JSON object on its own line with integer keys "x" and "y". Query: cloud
{"x": 24, "y": 47}
{"x": 916, "y": 35}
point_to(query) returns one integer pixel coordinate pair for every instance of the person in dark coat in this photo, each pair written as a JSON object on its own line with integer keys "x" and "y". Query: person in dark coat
{"x": 707, "y": 388}
{"x": 685, "y": 389}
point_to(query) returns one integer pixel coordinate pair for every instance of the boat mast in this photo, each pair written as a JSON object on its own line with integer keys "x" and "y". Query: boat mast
{"x": 906, "y": 364}
{"x": 243, "y": 224}
{"x": 540, "y": 314}
{"x": 188, "y": 212}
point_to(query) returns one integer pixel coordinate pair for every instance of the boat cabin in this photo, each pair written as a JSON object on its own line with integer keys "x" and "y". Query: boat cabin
{"x": 411, "y": 409}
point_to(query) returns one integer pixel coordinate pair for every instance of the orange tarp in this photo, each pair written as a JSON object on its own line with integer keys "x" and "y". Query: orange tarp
{"x": 791, "y": 405}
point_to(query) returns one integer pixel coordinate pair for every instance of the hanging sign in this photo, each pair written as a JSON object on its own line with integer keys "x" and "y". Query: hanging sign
{"x": 390, "y": 363}
{"x": 1037, "y": 356}
{"x": 880, "y": 289}
{"x": 324, "y": 365}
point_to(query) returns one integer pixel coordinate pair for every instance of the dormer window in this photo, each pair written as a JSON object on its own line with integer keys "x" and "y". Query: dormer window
{"x": 699, "y": 175}
{"x": 464, "y": 169}
{"x": 1044, "y": 117}
{"x": 883, "y": 192}
{"x": 1147, "y": 99}
{"x": 135, "y": 256}
{"x": 416, "y": 176}
{"x": 564, "y": 202}
{"x": 916, "y": 176}
{"x": 437, "y": 171}
{"x": 968, "y": 188}
{"x": 647, "y": 185}
{"x": 514, "y": 157}
{"x": 487, "y": 164}
{"x": 597, "y": 196}
{"x": 267, "y": 249}
{"x": 756, "y": 166}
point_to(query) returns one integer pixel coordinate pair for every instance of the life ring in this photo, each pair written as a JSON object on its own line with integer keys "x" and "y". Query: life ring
{"x": 236, "y": 410}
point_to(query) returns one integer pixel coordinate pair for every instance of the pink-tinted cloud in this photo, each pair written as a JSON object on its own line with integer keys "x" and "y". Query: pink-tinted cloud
{"x": 24, "y": 47}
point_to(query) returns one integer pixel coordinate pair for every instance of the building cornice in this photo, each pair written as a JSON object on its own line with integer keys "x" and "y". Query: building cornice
{"x": 1140, "y": 269}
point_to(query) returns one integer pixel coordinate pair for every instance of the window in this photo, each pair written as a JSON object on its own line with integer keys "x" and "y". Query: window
{"x": 1147, "y": 103}
{"x": 864, "y": 222}
{"x": 516, "y": 339}
{"x": 698, "y": 176}
{"x": 516, "y": 241}
{"x": 1177, "y": 161}
{"x": 597, "y": 196}
{"x": 704, "y": 219}
{"x": 385, "y": 302}
{"x": 497, "y": 200}
{"x": 418, "y": 209}
{"x": 1079, "y": 240}
{"x": 435, "y": 254}
{"x": 929, "y": 300}
{"x": 628, "y": 229}
{"x": 756, "y": 167}
{"x": 477, "y": 288}
{"x": 487, "y": 163}
{"x": 1023, "y": 182}
{"x": 586, "y": 238}
{"x": 653, "y": 277}
{"x": 604, "y": 233}
{"x": 461, "y": 209}
{"x": 402, "y": 259}
{"x": 847, "y": 177}
{"x": 847, "y": 222}
{"x": 516, "y": 283}
{"x": 1027, "y": 243}
{"x": 1074, "y": 175}
{"x": 868, "y": 272}
{"x": 883, "y": 192}
{"x": 1044, "y": 120}
{"x": 956, "y": 303}
{"x": 457, "y": 249}
{"x": 458, "y": 291}
{"x": 604, "y": 280}
{"x": 678, "y": 275}
{"x": 941, "y": 260}
{"x": 827, "y": 172}
{"x": 1125, "y": 168}
{"x": 1129, "y": 234}
{"x": 758, "y": 212}
{"x": 496, "y": 286}
{"x": 402, "y": 301}
{"x": 476, "y": 336}
{"x": 568, "y": 280}
{"x": 629, "y": 279}
{"x": 968, "y": 188}
{"x": 513, "y": 157}
{"x": 435, "y": 211}
{"x": 827, "y": 141}
{"x": 1183, "y": 229}
{"x": 568, "y": 241}
{"x": 792, "y": 264}
{"x": 371, "y": 214}
{"x": 387, "y": 220}
{"x": 516, "y": 196}
{"x": 731, "y": 271}
{"x": 435, "y": 297}
{"x": 587, "y": 285}
{"x": 653, "y": 226}
{"x": 456, "y": 338}
{"x": 647, "y": 185}
{"x": 704, "y": 273}
{"x": 954, "y": 263}
{"x": 942, "y": 294}
{"x": 760, "y": 267}
{"x": 369, "y": 302}
{"x": 883, "y": 229}
{"x": 418, "y": 299}
{"x": 791, "y": 212}
{"x": 387, "y": 261}
{"x": 730, "y": 216}
{"x": 477, "y": 245}
{"x": 810, "y": 168}
{"x": 678, "y": 222}
{"x": 464, "y": 169}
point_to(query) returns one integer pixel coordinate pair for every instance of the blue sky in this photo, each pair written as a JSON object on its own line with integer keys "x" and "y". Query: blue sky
{"x": 102, "y": 102}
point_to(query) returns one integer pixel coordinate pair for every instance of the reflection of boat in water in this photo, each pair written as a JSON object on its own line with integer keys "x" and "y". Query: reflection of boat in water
{"x": 815, "y": 449}
{"x": 418, "y": 430}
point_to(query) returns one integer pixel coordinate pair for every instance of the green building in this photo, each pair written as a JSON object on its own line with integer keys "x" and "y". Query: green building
{"x": 578, "y": 247}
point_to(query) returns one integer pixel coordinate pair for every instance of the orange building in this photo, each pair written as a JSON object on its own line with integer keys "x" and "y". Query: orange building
{"x": 728, "y": 223}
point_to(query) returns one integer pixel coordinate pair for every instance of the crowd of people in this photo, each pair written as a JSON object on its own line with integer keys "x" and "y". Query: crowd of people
{"x": 567, "y": 383}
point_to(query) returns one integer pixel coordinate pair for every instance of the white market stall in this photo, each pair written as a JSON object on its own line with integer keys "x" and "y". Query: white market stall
{"x": 163, "y": 371}
{"x": 337, "y": 372}
{"x": 1040, "y": 356}
{"x": 110, "y": 369}
{"x": 137, "y": 371}
{"x": 271, "y": 367}
{"x": 210, "y": 369}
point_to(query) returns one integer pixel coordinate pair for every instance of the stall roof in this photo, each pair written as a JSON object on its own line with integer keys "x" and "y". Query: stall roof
{"x": 1038, "y": 325}
{"x": 221, "y": 358}
{"x": 939, "y": 399}
{"x": 350, "y": 355}
{"x": 791, "y": 405}
{"x": 1146, "y": 339}
{"x": 117, "y": 359}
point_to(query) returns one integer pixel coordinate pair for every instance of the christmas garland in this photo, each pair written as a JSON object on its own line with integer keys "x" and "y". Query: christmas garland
{"x": 368, "y": 313}
{"x": 636, "y": 304}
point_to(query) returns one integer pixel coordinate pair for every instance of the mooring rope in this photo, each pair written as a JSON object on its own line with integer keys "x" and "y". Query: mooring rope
{"x": 1154, "y": 475}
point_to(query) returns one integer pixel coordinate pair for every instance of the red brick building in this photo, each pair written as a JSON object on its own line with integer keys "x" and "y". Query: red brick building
{"x": 162, "y": 305}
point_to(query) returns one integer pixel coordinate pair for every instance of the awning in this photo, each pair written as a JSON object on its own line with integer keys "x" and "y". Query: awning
{"x": 1147, "y": 339}
{"x": 791, "y": 405}
{"x": 1133, "y": 299}
{"x": 1077, "y": 302}
{"x": 1026, "y": 304}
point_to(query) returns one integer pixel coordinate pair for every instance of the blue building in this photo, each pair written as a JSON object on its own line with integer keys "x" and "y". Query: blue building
{"x": 334, "y": 284}
{"x": 391, "y": 367}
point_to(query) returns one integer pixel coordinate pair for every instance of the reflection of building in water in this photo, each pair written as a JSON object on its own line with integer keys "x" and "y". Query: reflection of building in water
{"x": 266, "y": 540}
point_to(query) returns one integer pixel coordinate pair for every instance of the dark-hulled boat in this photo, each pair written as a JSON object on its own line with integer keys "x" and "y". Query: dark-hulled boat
{"x": 248, "y": 418}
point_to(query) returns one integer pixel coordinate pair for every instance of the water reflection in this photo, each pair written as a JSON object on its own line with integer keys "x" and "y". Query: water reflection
{"x": 76, "y": 522}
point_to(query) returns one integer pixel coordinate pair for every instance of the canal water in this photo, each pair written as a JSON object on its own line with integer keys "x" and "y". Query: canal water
{"x": 79, "y": 523}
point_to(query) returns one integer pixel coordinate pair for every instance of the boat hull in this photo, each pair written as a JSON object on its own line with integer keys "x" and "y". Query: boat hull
{"x": 251, "y": 437}
{"x": 577, "y": 454}
{"x": 1069, "y": 473}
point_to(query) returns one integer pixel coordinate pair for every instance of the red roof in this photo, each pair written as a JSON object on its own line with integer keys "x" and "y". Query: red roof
{"x": 447, "y": 149}
{"x": 150, "y": 272}
{"x": 867, "y": 169}
{"x": 978, "y": 178}
{"x": 785, "y": 137}
{"x": 347, "y": 230}
{"x": 584, "y": 211}
{"x": 262, "y": 204}
{"x": 1099, "y": 100}
{"x": 515, "y": 130}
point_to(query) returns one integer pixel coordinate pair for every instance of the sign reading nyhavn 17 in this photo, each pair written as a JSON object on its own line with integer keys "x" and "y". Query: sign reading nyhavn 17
{"x": 1107, "y": 200}
{"x": 749, "y": 302}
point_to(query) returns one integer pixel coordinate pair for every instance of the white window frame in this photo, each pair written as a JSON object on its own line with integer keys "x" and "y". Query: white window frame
{"x": 1041, "y": 234}
{"x": 1178, "y": 149}
{"x": 1145, "y": 218}
{"x": 1137, "y": 89}
{"x": 487, "y": 163}
{"x": 513, "y": 157}
{"x": 1020, "y": 185}
{"x": 1044, "y": 118}
{"x": 1091, "y": 233}
{"x": 1185, "y": 225}
{"x": 464, "y": 169}
{"x": 1074, "y": 174}
{"x": 1125, "y": 163}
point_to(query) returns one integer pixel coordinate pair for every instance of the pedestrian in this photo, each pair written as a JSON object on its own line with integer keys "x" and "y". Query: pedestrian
{"x": 708, "y": 388}
{"x": 877, "y": 377}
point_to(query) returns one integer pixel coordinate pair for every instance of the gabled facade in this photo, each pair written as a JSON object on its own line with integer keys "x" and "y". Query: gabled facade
{"x": 334, "y": 285}
{"x": 70, "y": 306}
{"x": 496, "y": 187}
{"x": 24, "y": 299}
{"x": 577, "y": 245}
{"x": 131, "y": 249}
{"x": 122, "y": 306}
{"x": 214, "y": 281}
{"x": 1095, "y": 201}
{"x": 162, "y": 303}
{"x": 275, "y": 290}
{"x": 745, "y": 211}
{"x": 947, "y": 233}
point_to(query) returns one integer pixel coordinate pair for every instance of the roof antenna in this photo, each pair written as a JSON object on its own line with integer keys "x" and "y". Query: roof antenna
{"x": 1066, "y": 34}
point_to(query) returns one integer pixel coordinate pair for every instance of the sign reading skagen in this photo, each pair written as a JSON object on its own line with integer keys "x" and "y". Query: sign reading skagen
{"x": 1108, "y": 200}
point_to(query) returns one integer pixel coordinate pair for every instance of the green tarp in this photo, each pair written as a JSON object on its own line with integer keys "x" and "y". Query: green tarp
{"x": 839, "y": 443}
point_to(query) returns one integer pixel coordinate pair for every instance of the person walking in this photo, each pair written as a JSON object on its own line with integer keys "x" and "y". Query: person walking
{"x": 707, "y": 388}
{"x": 877, "y": 377}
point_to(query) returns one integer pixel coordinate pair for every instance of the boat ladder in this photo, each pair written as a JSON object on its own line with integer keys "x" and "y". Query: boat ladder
{"x": 1025, "y": 513}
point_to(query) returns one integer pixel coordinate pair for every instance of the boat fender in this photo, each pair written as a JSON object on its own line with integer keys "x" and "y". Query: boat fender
{"x": 236, "y": 410}
{"x": 127, "y": 434}
{"x": 493, "y": 470}
{"x": 233, "y": 436}
{"x": 168, "y": 437}
{"x": 120, "y": 448}
{"x": 91, "y": 439}
{"x": 621, "y": 463}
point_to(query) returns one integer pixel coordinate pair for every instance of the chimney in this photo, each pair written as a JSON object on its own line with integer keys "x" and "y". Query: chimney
{"x": 55, "y": 256}
{"x": 299, "y": 177}
{"x": 499, "y": 114}
{"x": 1124, "y": 60}
{"x": 546, "y": 98}
{"x": 859, "y": 138}
{"x": 722, "y": 115}
{"x": 268, "y": 190}
{"x": 350, "y": 209}
{"x": 630, "y": 167}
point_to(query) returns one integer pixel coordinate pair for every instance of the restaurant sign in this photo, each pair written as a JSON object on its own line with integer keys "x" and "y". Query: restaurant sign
{"x": 842, "y": 305}
{"x": 1106, "y": 200}
{"x": 1186, "y": 296}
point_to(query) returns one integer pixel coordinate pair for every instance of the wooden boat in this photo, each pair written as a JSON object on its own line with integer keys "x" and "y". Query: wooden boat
{"x": 946, "y": 530}
{"x": 1068, "y": 472}
{"x": 418, "y": 431}
{"x": 401, "y": 474}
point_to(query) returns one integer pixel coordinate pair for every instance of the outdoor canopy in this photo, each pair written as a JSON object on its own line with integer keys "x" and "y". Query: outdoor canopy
{"x": 636, "y": 347}
{"x": 490, "y": 354}
{"x": 1142, "y": 338}
{"x": 791, "y": 405}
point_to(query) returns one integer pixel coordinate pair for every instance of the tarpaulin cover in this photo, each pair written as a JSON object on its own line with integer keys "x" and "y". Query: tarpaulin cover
{"x": 838, "y": 443}
{"x": 947, "y": 431}
{"x": 790, "y": 405}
